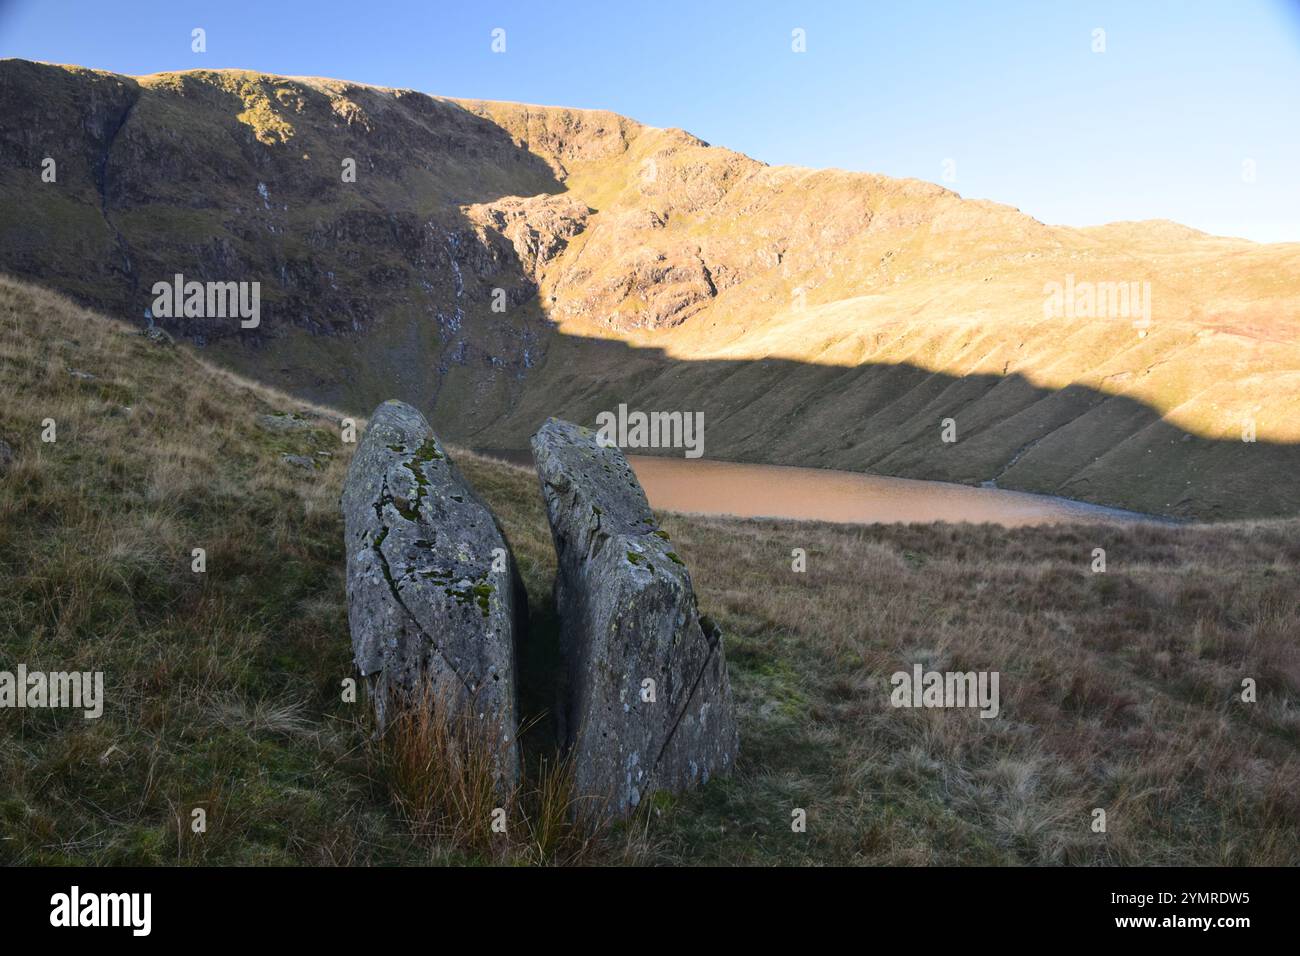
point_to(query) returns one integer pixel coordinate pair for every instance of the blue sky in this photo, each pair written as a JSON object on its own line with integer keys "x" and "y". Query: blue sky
{"x": 1192, "y": 112}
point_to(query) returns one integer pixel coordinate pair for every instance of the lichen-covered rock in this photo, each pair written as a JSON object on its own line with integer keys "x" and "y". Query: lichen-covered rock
{"x": 650, "y": 701}
{"x": 434, "y": 596}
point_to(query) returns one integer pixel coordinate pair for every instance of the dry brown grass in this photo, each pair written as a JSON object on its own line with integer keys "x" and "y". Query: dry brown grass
{"x": 438, "y": 763}
{"x": 222, "y": 687}
{"x": 1119, "y": 690}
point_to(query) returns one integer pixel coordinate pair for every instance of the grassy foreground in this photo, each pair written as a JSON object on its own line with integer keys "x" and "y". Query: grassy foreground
{"x": 1119, "y": 690}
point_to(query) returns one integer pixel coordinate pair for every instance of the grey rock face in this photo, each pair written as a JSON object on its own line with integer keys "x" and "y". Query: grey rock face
{"x": 283, "y": 423}
{"x": 434, "y": 596}
{"x": 628, "y": 616}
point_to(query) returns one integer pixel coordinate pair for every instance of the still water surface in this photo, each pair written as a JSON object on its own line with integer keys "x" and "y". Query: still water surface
{"x": 701, "y": 486}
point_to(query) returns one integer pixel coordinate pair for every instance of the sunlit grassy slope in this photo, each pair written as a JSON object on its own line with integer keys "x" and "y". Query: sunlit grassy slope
{"x": 816, "y": 317}
{"x": 1119, "y": 690}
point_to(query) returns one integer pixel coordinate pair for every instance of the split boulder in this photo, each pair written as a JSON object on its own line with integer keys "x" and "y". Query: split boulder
{"x": 434, "y": 597}
{"x": 650, "y": 702}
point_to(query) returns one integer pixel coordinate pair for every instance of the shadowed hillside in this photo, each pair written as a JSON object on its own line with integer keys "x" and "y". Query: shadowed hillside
{"x": 1078, "y": 442}
{"x": 822, "y": 317}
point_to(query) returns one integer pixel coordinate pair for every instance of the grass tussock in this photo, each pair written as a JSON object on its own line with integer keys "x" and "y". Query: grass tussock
{"x": 1119, "y": 690}
{"x": 440, "y": 767}
{"x": 439, "y": 764}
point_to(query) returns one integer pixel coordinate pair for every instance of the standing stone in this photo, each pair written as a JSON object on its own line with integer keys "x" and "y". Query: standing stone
{"x": 650, "y": 700}
{"x": 434, "y": 596}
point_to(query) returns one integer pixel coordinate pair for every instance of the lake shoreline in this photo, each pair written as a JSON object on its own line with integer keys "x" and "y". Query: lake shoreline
{"x": 715, "y": 487}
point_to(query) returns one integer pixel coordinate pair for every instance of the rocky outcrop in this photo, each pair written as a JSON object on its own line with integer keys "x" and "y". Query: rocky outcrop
{"x": 538, "y": 228}
{"x": 355, "y": 209}
{"x": 650, "y": 703}
{"x": 434, "y": 597}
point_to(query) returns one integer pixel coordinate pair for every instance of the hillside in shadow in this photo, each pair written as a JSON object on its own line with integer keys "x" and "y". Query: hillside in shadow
{"x": 380, "y": 280}
{"x": 887, "y": 419}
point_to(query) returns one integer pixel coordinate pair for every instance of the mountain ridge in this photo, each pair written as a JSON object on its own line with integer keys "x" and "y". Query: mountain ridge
{"x": 641, "y": 264}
